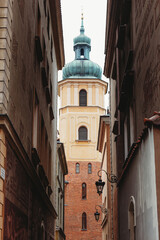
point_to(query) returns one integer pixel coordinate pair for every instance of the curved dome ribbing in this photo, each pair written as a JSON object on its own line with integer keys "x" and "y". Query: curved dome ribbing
{"x": 82, "y": 67}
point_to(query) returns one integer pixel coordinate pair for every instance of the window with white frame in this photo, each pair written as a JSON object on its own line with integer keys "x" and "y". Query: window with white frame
{"x": 82, "y": 133}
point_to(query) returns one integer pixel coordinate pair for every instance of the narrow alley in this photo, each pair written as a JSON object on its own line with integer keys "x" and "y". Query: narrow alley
{"x": 79, "y": 119}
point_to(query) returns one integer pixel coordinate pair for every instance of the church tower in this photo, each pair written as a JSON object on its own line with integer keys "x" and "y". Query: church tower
{"x": 82, "y": 102}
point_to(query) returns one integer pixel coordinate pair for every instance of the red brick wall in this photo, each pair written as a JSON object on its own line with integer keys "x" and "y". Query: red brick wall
{"x": 75, "y": 205}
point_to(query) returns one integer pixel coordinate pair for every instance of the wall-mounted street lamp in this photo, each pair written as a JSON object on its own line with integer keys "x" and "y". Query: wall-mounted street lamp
{"x": 99, "y": 184}
{"x": 96, "y": 214}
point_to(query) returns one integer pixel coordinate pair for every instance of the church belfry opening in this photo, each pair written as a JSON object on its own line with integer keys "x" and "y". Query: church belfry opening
{"x": 82, "y": 53}
{"x": 83, "y": 98}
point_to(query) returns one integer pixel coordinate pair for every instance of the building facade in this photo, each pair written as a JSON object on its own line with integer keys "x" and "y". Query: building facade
{"x": 61, "y": 171}
{"x": 82, "y": 102}
{"x": 31, "y": 53}
{"x": 103, "y": 146}
{"x": 132, "y": 64}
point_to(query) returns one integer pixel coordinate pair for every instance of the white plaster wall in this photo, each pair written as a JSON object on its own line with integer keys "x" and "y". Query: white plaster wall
{"x": 146, "y": 196}
{"x": 140, "y": 183}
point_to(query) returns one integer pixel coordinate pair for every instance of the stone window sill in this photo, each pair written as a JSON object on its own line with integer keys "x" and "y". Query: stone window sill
{"x": 83, "y": 140}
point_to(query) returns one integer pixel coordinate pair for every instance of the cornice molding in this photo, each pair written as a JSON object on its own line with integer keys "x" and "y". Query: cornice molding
{"x": 71, "y": 106}
{"x": 80, "y": 81}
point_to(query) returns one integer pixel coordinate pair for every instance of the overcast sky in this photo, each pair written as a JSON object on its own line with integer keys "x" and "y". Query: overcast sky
{"x": 94, "y": 12}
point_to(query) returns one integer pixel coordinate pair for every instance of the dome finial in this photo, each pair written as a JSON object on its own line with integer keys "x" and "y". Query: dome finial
{"x": 82, "y": 26}
{"x": 82, "y": 14}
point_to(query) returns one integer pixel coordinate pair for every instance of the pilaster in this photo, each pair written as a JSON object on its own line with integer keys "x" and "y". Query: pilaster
{"x": 76, "y": 94}
{"x": 68, "y": 94}
{"x": 89, "y": 94}
{"x": 97, "y": 94}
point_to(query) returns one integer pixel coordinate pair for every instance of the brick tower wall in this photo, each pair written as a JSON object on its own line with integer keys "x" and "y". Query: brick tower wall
{"x": 75, "y": 205}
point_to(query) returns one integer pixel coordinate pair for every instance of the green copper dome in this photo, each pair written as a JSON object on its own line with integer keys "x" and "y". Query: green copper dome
{"x": 82, "y": 66}
{"x": 82, "y": 39}
{"x": 82, "y": 69}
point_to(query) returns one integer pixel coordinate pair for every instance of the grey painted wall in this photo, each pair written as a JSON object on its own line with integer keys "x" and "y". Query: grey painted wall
{"x": 139, "y": 182}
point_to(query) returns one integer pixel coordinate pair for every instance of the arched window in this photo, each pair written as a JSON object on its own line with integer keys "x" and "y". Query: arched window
{"x": 84, "y": 190}
{"x": 77, "y": 168}
{"x": 83, "y": 98}
{"x": 89, "y": 168}
{"x": 82, "y": 53}
{"x": 132, "y": 219}
{"x": 82, "y": 133}
{"x": 41, "y": 231}
{"x": 84, "y": 221}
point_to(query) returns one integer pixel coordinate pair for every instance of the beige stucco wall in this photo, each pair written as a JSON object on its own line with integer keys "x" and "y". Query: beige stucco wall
{"x": 72, "y": 116}
{"x": 69, "y": 89}
{"x": 69, "y": 125}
